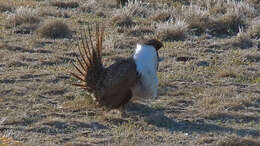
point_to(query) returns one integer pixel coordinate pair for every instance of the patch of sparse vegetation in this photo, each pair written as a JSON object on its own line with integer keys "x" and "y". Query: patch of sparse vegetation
{"x": 217, "y": 100}
{"x": 79, "y": 103}
{"x": 54, "y": 29}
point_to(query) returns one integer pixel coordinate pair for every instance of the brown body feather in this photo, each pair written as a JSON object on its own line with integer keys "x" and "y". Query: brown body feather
{"x": 111, "y": 86}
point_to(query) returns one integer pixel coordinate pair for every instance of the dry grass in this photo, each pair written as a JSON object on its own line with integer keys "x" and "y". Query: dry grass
{"x": 5, "y": 7}
{"x": 161, "y": 16}
{"x": 140, "y": 30}
{"x": 254, "y": 29}
{"x": 208, "y": 86}
{"x": 23, "y": 16}
{"x": 255, "y": 3}
{"x": 242, "y": 40}
{"x": 253, "y": 57}
{"x": 226, "y": 73}
{"x": 216, "y": 101}
{"x": 51, "y": 11}
{"x": 54, "y": 29}
{"x": 226, "y": 24}
{"x": 135, "y": 8}
{"x": 121, "y": 3}
{"x": 172, "y": 31}
{"x": 218, "y": 17}
{"x": 9, "y": 141}
{"x": 122, "y": 21}
{"x": 237, "y": 141}
{"x": 197, "y": 18}
{"x": 68, "y": 4}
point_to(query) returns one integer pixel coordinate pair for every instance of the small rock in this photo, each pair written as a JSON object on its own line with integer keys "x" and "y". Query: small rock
{"x": 202, "y": 63}
{"x": 96, "y": 126}
{"x": 213, "y": 51}
{"x": 184, "y": 58}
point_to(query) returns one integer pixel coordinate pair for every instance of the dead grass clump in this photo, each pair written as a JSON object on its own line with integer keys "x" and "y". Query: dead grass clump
{"x": 217, "y": 7}
{"x": 121, "y": 3}
{"x": 161, "y": 16}
{"x": 242, "y": 40}
{"x": 255, "y": 3}
{"x": 51, "y": 11}
{"x": 237, "y": 141}
{"x": 254, "y": 29}
{"x": 122, "y": 21}
{"x": 54, "y": 29}
{"x": 6, "y": 140}
{"x": 135, "y": 8}
{"x": 226, "y": 74}
{"x": 5, "y": 7}
{"x": 253, "y": 57}
{"x": 23, "y": 16}
{"x": 87, "y": 9}
{"x": 227, "y": 24}
{"x": 172, "y": 31}
{"x": 223, "y": 7}
{"x": 197, "y": 18}
{"x": 61, "y": 4}
{"x": 225, "y": 17}
{"x": 198, "y": 24}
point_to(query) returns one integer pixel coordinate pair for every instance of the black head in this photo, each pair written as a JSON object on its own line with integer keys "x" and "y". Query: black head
{"x": 153, "y": 42}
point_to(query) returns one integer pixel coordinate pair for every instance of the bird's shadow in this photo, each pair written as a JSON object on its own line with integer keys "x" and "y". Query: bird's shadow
{"x": 157, "y": 118}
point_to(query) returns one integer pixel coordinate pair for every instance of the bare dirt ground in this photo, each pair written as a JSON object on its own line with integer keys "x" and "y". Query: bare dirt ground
{"x": 209, "y": 73}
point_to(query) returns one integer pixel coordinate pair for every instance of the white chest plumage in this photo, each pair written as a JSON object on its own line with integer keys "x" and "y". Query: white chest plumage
{"x": 146, "y": 61}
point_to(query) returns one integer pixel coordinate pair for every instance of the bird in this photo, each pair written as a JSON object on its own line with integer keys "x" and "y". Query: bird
{"x": 114, "y": 86}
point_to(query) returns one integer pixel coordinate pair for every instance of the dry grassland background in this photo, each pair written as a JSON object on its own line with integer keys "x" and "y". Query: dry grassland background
{"x": 209, "y": 74}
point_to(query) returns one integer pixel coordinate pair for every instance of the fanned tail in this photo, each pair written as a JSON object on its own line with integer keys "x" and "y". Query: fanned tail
{"x": 90, "y": 65}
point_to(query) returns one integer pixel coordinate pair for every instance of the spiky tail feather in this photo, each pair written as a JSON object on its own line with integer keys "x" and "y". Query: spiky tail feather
{"x": 90, "y": 65}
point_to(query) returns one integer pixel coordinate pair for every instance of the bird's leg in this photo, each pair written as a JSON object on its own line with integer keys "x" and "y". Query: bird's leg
{"x": 122, "y": 111}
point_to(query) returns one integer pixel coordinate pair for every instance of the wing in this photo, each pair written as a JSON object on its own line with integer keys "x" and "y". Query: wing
{"x": 119, "y": 79}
